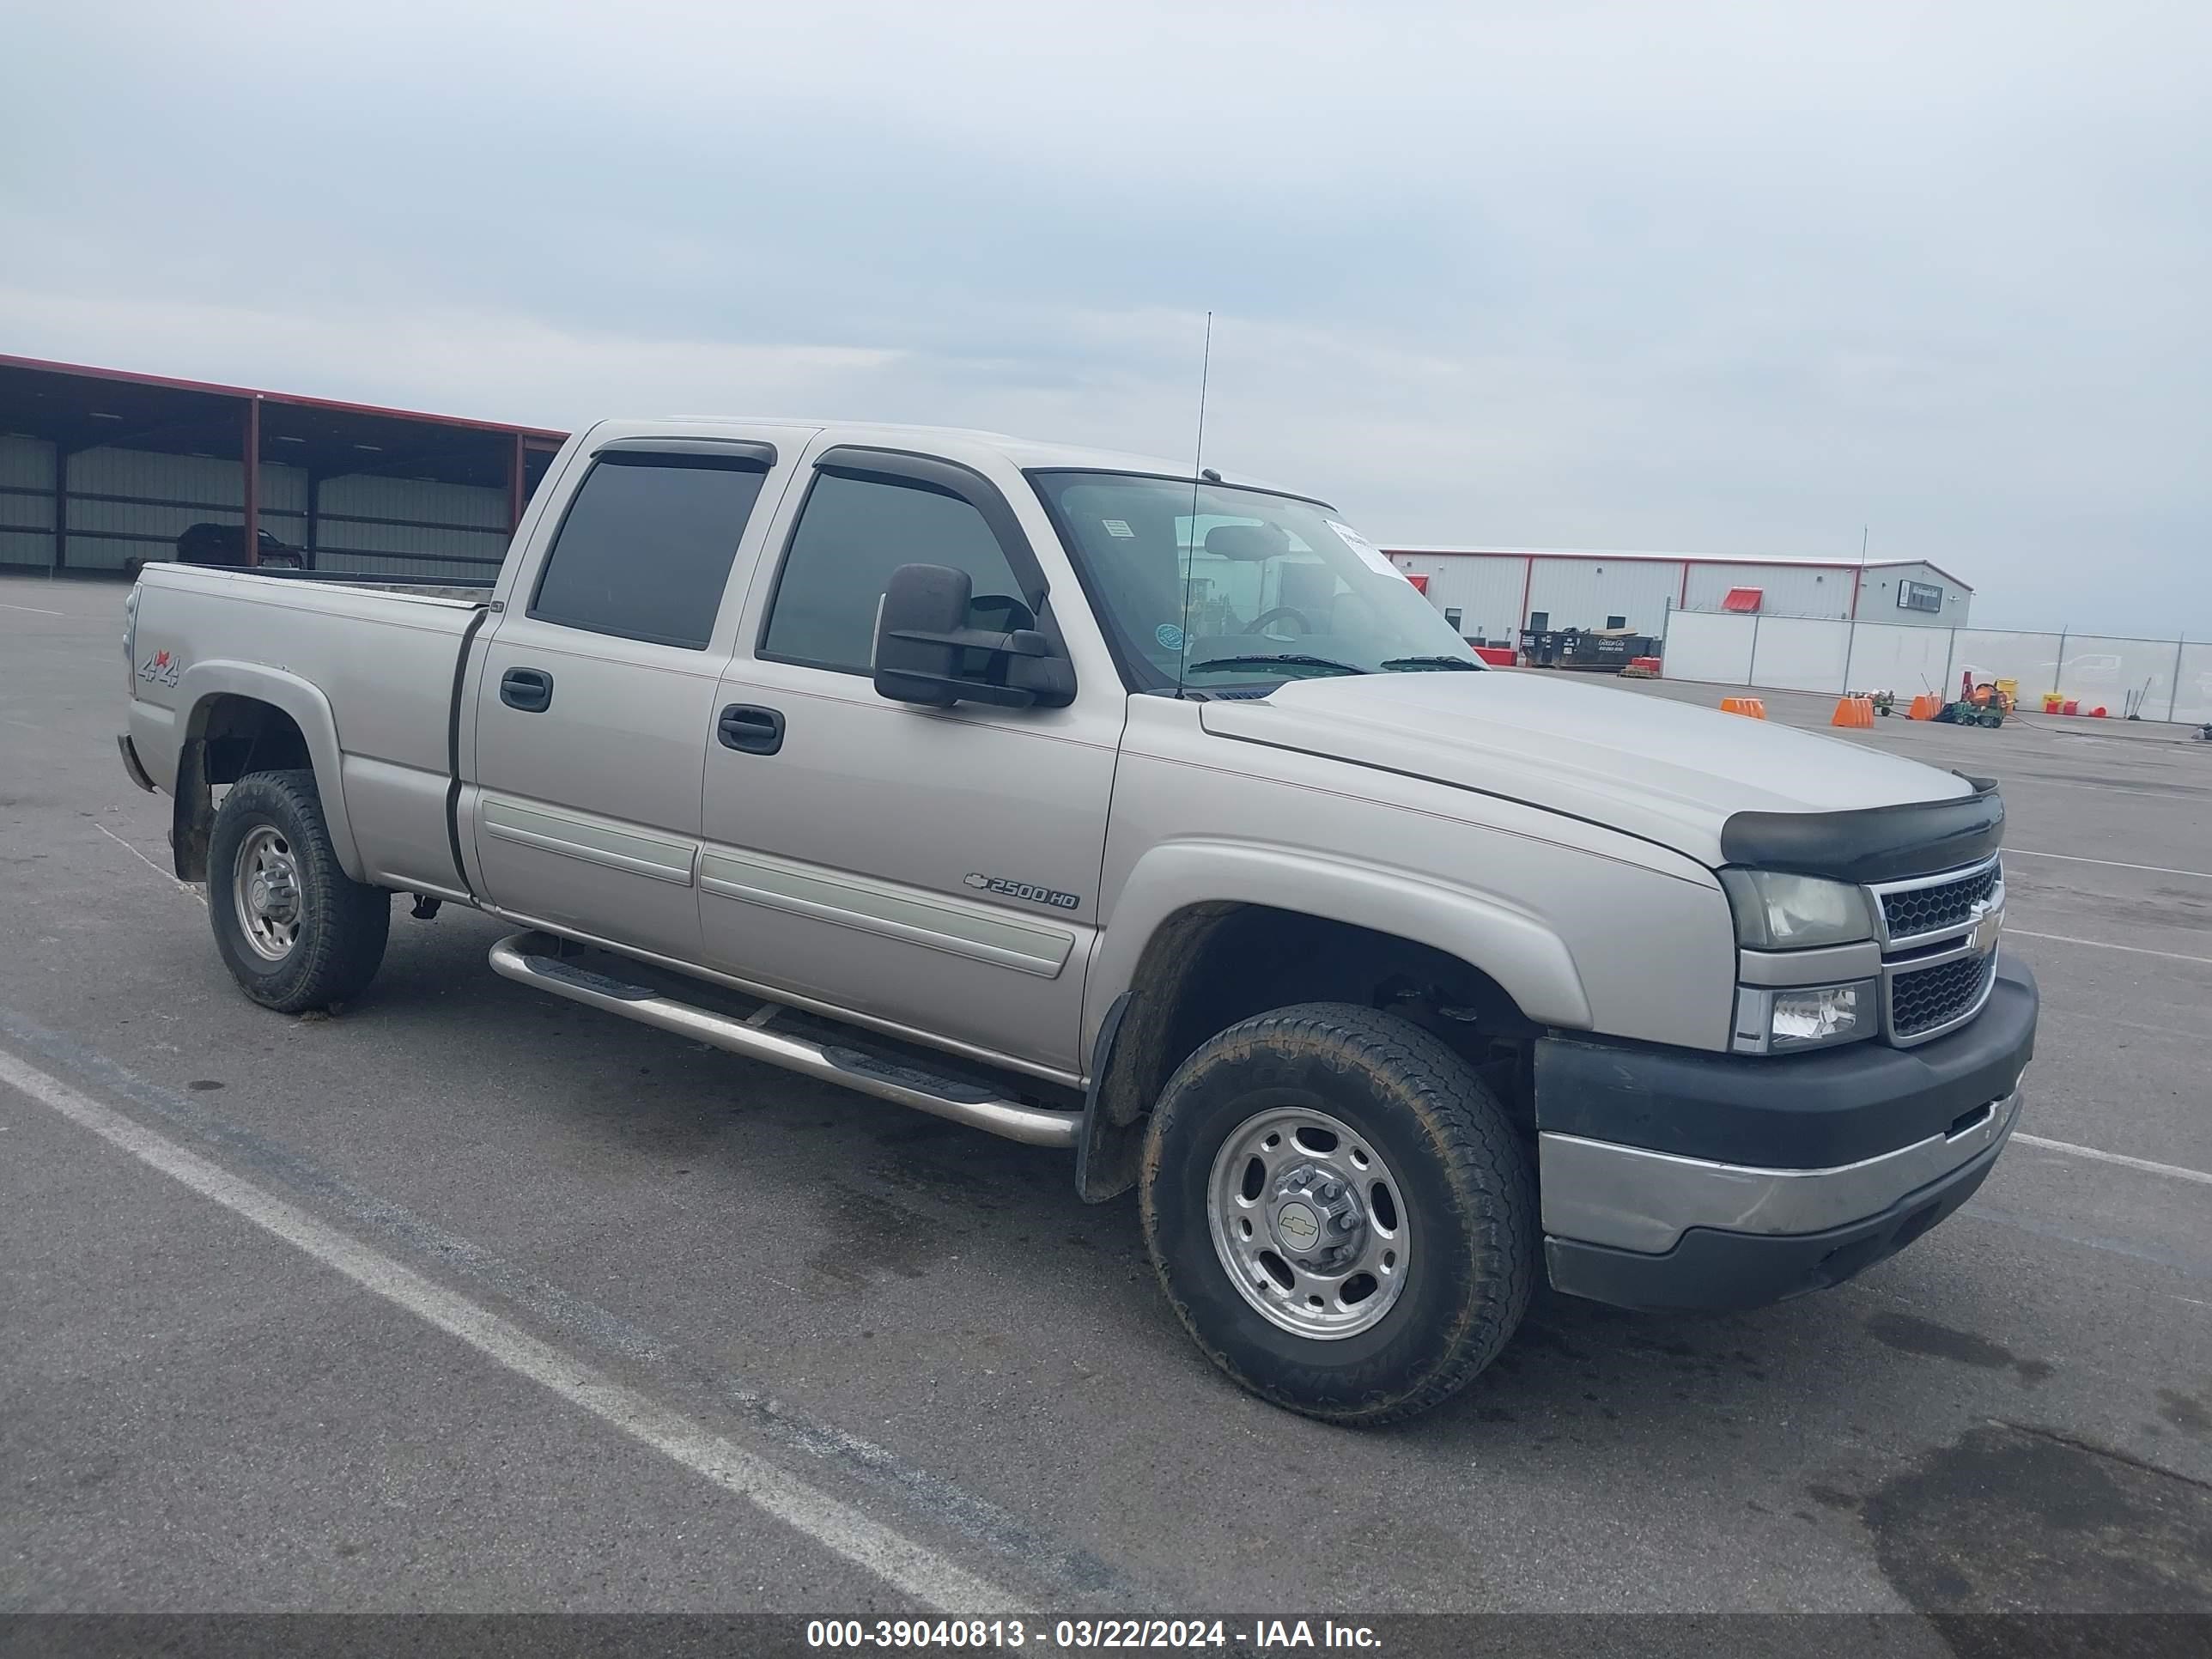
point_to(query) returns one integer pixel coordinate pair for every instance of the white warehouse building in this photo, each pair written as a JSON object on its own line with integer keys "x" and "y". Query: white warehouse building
{"x": 1492, "y": 593}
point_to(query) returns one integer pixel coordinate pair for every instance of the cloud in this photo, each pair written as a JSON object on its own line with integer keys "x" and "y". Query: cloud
{"x": 1723, "y": 278}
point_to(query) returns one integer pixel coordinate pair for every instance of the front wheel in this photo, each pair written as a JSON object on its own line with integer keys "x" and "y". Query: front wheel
{"x": 294, "y": 930}
{"x": 1340, "y": 1211}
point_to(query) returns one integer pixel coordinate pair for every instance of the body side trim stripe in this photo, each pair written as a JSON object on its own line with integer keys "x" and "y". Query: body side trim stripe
{"x": 970, "y": 931}
{"x": 593, "y": 841}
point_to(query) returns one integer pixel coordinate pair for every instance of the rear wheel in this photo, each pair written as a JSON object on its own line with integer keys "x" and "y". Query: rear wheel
{"x": 1340, "y": 1211}
{"x": 294, "y": 930}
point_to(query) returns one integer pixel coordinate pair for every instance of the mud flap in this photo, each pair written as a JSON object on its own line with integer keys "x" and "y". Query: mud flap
{"x": 1106, "y": 1152}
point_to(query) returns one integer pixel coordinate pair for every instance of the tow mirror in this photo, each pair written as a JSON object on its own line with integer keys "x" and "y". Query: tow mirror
{"x": 929, "y": 652}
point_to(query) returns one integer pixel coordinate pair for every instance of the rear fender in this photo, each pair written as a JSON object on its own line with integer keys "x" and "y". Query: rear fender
{"x": 309, "y": 710}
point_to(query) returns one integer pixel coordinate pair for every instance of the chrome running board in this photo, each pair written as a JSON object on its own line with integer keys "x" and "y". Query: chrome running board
{"x": 532, "y": 958}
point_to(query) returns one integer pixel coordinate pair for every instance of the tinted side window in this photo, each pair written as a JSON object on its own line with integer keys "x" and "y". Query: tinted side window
{"x": 644, "y": 549}
{"x": 853, "y": 534}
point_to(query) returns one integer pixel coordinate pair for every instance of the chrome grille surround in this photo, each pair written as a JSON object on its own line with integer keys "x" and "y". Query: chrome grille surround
{"x": 1938, "y": 964}
{"x": 1939, "y": 906}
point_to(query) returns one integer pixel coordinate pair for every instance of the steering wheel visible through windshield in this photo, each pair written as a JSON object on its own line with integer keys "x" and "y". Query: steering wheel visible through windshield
{"x": 1225, "y": 585}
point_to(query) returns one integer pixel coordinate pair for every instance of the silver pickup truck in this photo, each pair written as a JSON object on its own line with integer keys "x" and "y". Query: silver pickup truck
{"x": 1153, "y": 816}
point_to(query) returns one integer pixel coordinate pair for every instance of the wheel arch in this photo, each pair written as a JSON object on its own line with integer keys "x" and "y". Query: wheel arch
{"x": 1285, "y": 928}
{"x": 247, "y": 717}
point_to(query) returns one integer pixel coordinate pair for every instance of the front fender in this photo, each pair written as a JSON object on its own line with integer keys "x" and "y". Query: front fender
{"x": 310, "y": 710}
{"x": 1514, "y": 948}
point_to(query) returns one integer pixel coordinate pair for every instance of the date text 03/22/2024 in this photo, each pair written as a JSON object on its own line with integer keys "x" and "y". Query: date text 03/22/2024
{"x": 1084, "y": 1634}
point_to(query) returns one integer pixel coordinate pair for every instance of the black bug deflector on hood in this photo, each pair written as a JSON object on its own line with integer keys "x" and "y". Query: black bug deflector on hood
{"x": 1874, "y": 843}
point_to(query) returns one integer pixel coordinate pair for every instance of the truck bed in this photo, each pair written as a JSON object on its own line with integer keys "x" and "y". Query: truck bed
{"x": 370, "y": 671}
{"x": 474, "y": 590}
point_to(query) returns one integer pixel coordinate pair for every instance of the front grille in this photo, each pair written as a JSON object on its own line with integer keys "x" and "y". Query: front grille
{"x": 1917, "y": 910}
{"x": 1922, "y": 999}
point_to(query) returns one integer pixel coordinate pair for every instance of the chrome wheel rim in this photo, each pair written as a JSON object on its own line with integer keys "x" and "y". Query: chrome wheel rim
{"x": 266, "y": 890}
{"x": 1309, "y": 1222}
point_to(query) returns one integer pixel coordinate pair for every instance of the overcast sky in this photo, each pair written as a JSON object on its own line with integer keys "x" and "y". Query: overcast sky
{"x": 1728, "y": 279}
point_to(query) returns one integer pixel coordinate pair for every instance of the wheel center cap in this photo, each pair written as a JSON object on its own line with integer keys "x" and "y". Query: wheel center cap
{"x": 1299, "y": 1227}
{"x": 1315, "y": 1217}
{"x": 260, "y": 895}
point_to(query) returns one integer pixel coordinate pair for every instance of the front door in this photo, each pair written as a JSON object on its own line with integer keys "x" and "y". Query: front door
{"x": 935, "y": 869}
{"x": 598, "y": 696}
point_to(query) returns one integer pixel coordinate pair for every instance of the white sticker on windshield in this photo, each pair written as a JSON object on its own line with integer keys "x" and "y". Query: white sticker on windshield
{"x": 1119, "y": 527}
{"x": 1368, "y": 553}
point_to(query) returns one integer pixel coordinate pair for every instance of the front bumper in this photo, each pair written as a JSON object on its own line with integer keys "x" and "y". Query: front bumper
{"x": 1728, "y": 1181}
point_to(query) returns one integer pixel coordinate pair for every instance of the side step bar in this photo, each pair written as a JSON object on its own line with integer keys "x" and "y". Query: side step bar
{"x": 530, "y": 958}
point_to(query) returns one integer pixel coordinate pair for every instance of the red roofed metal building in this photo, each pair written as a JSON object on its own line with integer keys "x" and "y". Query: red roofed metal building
{"x": 1497, "y": 592}
{"x": 102, "y": 468}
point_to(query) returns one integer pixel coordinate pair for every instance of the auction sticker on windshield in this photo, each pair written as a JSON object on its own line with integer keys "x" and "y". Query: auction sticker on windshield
{"x": 1370, "y": 554}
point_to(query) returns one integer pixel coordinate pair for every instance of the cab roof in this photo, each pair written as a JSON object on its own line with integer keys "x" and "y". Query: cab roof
{"x": 1024, "y": 454}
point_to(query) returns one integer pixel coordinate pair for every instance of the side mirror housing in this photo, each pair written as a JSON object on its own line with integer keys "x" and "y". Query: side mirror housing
{"x": 926, "y": 650}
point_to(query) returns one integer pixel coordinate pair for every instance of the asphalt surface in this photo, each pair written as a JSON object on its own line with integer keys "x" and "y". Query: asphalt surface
{"x": 292, "y": 1311}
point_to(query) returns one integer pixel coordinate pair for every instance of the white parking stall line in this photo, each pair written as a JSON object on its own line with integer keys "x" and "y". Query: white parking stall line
{"x": 2108, "y": 864}
{"x": 2107, "y": 944}
{"x": 911, "y": 1568}
{"x": 184, "y": 887}
{"x": 2201, "y": 1177}
{"x": 34, "y": 610}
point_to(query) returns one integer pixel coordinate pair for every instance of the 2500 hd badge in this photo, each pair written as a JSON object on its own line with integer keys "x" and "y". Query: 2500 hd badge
{"x": 1021, "y": 889}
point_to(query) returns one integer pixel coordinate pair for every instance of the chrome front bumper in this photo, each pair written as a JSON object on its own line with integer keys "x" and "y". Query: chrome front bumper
{"x": 1628, "y": 1198}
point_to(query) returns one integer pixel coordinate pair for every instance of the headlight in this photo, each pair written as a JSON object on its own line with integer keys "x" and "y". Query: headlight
{"x": 1781, "y": 1021}
{"x": 1778, "y": 912}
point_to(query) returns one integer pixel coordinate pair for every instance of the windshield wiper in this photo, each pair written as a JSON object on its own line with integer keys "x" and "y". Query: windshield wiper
{"x": 1394, "y": 664}
{"x": 1292, "y": 660}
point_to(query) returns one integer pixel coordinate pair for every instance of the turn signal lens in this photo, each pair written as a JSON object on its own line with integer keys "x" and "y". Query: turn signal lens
{"x": 1775, "y": 1022}
{"x": 1827, "y": 1013}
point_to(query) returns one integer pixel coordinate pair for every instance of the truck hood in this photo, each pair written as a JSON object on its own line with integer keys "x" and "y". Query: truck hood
{"x": 1663, "y": 770}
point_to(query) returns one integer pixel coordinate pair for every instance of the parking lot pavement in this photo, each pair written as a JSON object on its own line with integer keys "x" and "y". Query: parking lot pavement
{"x": 295, "y": 1310}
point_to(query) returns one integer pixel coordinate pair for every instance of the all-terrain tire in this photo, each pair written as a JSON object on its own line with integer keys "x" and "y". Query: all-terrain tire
{"x": 341, "y": 923}
{"x": 1464, "y": 1188}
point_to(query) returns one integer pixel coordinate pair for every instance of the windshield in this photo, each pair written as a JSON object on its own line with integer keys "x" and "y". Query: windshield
{"x": 1250, "y": 587}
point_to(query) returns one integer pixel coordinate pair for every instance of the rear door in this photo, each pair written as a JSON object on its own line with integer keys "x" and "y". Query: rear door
{"x": 596, "y": 697}
{"x": 928, "y": 869}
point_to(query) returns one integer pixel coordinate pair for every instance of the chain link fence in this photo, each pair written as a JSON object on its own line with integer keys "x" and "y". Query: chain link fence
{"x": 2157, "y": 679}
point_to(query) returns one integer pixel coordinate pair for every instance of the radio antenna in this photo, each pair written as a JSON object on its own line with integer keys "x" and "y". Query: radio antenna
{"x": 1190, "y": 550}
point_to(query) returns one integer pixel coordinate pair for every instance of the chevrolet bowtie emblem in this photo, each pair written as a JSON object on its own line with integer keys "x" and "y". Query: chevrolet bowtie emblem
{"x": 1987, "y": 924}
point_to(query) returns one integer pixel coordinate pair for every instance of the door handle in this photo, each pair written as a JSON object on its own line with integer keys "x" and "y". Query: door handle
{"x": 751, "y": 730}
{"x": 530, "y": 690}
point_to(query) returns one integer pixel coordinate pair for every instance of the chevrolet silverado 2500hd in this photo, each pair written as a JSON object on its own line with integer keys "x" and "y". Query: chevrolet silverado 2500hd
{"x": 1154, "y": 818}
